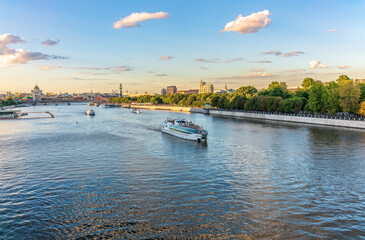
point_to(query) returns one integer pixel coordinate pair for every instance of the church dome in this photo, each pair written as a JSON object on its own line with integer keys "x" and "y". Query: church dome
{"x": 36, "y": 87}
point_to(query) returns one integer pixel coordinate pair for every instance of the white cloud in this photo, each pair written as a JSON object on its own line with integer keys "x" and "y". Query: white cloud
{"x": 248, "y": 75}
{"x": 257, "y": 70}
{"x": 131, "y": 20}
{"x": 161, "y": 75}
{"x": 206, "y": 60}
{"x": 331, "y": 30}
{"x": 257, "y": 74}
{"x": 49, "y": 42}
{"x": 343, "y": 66}
{"x": 48, "y": 68}
{"x": 276, "y": 53}
{"x": 261, "y": 61}
{"x": 165, "y": 58}
{"x": 316, "y": 64}
{"x": 248, "y": 24}
{"x": 10, "y": 56}
{"x": 292, "y": 53}
{"x": 234, "y": 60}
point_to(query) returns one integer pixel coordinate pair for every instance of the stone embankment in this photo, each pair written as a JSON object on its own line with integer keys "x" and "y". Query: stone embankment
{"x": 295, "y": 118}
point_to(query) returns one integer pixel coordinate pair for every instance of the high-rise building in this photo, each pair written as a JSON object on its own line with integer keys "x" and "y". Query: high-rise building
{"x": 120, "y": 90}
{"x": 171, "y": 90}
{"x": 163, "y": 91}
{"x": 205, "y": 88}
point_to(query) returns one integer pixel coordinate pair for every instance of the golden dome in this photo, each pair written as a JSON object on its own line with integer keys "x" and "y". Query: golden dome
{"x": 36, "y": 87}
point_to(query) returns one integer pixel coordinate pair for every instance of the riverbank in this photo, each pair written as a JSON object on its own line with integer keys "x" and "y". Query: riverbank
{"x": 293, "y": 118}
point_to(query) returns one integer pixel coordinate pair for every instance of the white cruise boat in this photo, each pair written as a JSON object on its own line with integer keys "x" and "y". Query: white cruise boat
{"x": 90, "y": 112}
{"x": 6, "y": 114}
{"x": 184, "y": 129}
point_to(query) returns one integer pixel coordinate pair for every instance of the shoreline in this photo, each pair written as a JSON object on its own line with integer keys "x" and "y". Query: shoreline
{"x": 291, "y": 118}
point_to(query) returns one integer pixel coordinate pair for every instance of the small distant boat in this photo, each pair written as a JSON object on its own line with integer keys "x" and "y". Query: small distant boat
{"x": 107, "y": 105}
{"x": 184, "y": 129}
{"x": 91, "y": 104}
{"x": 135, "y": 110}
{"x": 90, "y": 112}
{"x": 68, "y": 103}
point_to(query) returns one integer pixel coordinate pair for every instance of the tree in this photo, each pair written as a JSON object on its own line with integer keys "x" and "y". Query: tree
{"x": 221, "y": 101}
{"x": 247, "y": 91}
{"x": 332, "y": 98}
{"x": 294, "y": 104}
{"x": 316, "y": 97}
{"x": 275, "y": 84}
{"x": 362, "y": 92}
{"x": 238, "y": 102}
{"x": 362, "y": 109}
{"x": 214, "y": 101}
{"x": 343, "y": 79}
{"x": 307, "y": 83}
{"x": 251, "y": 103}
{"x": 190, "y": 99}
{"x": 349, "y": 94}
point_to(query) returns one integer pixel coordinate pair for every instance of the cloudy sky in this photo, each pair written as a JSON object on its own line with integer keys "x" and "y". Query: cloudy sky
{"x": 78, "y": 46}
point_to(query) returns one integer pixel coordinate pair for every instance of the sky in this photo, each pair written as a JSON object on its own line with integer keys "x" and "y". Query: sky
{"x": 79, "y": 46}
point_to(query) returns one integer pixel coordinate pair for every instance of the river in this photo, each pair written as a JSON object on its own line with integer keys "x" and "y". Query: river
{"x": 115, "y": 175}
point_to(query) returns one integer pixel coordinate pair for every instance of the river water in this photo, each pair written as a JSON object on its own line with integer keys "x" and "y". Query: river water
{"x": 116, "y": 175}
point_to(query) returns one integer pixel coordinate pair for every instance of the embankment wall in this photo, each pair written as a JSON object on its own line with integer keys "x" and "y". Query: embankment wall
{"x": 295, "y": 119}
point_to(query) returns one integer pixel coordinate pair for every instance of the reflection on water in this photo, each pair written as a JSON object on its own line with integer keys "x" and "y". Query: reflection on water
{"x": 116, "y": 175}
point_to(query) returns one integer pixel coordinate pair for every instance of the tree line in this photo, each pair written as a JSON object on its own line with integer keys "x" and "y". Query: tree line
{"x": 342, "y": 95}
{"x": 8, "y": 102}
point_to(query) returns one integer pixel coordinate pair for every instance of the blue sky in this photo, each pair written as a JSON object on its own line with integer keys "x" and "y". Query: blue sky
{"x": 88, "y": 42}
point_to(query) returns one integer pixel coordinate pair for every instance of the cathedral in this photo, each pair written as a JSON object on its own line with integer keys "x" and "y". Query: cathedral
{"x": 205, "y": 88}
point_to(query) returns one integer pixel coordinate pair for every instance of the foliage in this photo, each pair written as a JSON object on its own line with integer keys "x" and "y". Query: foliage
{"x": 337, "y": 96}
{"x": 247, "y": 91}
{"x": 307, "y": 83}
{"x": 316, "y": 97}
{"x": 349, "y": 95}
{"x": 362, "y": 109}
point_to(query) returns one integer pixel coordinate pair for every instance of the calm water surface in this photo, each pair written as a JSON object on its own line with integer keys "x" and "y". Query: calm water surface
{"x": 116, "y": 175}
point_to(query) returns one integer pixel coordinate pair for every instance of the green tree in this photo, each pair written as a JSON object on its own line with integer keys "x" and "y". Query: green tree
{"x": 362, "y": 92}
{"x": 343, "y": 79}
{"x": 221, "y": 101}
{"x": 316, "y": 97}
{"x": 332, "y": 98}
{"x": 247, "y": 91}
{"x": 349, "y": 94}
{"x": 214, "y": 101}
{"x": 238, "y": 102}
{"x": 190, "y": 99}
{"x": 307, "y": 83}
{"x": 294, "y": 104}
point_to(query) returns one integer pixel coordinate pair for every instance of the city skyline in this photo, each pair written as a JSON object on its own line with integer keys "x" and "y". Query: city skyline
{"x": 77, "y": 47}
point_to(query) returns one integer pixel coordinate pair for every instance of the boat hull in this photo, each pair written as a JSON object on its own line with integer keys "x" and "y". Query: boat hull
{"x": 188, "y": 136}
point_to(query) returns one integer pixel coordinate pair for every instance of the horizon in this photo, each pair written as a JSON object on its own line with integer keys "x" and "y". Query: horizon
{"x": 77, "y": 47}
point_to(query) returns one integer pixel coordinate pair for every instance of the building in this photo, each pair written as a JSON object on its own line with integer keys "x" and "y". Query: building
{"x": 171, "y": 90}
{"x": 163, "y": 91}
{"x": 205, "y": 88}
{"x": 120, "y": 90}
{"x": 37, "y": 93}
{"x": 225, "y": 90}
{"x": 359, "y": 80}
